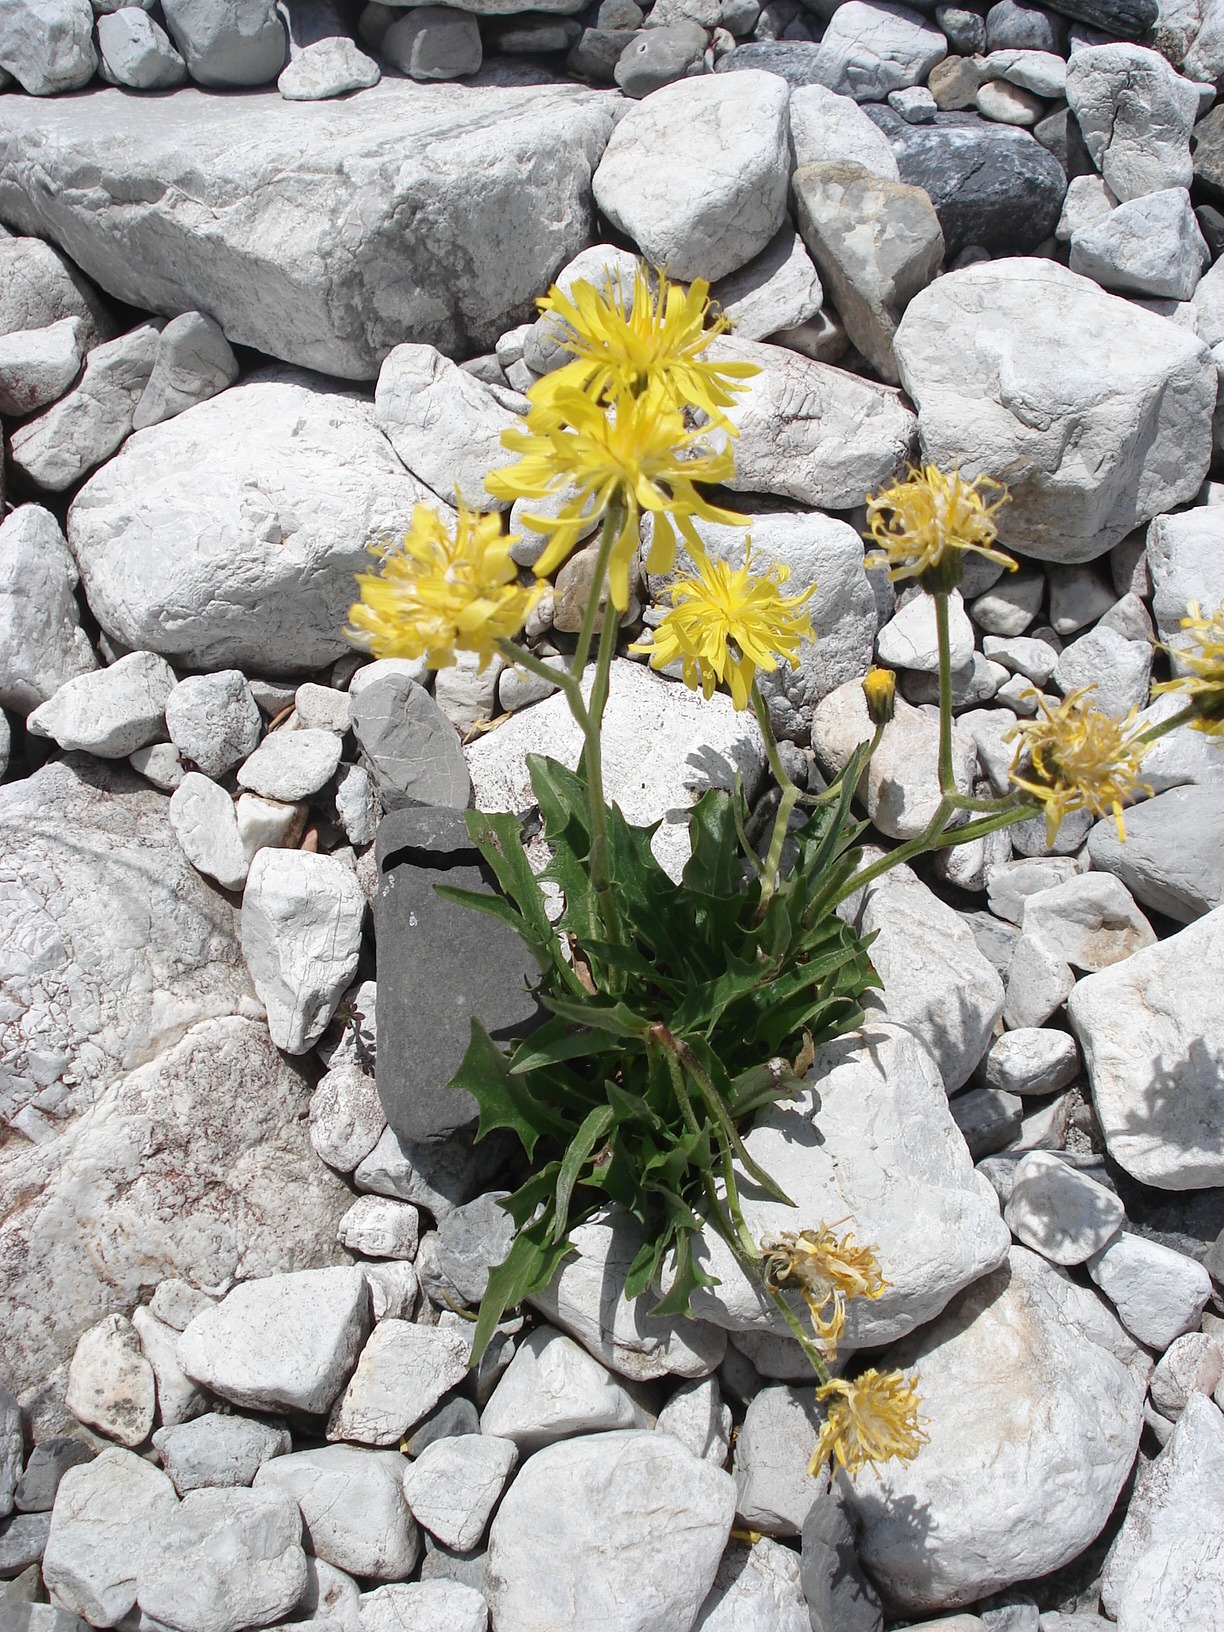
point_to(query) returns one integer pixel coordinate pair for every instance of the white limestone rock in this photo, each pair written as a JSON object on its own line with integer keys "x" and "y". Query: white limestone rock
{"x": 434, "y": 1605}
{"x": 215, "y": 1451}
{"x": 873, "y": 1144}
{"x": 327, "y": 68}
{"x": 1158, "y": 1293}
{"x": 1148, "y": 246}
{"x": 1192, "y": 1364}
{"x": 135, "y": 51}
{"x": 662, "y": 745}
{"x": 47, "y": 45}
{"x": 225, "y": 1560}
{"x": 998, "y": 354}
{"x": 109, "y": 1515}
{"x": 1136, "y": 115}
{"x": 455, "y": 1483}
{"x": 297, "y": 482}
{"x": 283, "y": 1343}
{"x": 178, "y": 1398}
{"x": 778, "y": 289}
{"x": 110, "y": 712}
{"x": 228, "y": 42}
{"x": 773, "y": 1489}
{"x": 830, "y": 129}
{"x": 696, "y": 173}
{"x": 1153, "y": 1037}
{"x": 1033, "y": 1400}
{"x": 1090, "y": 919}
{"x": 213, "y": 720}
{"x": 756, "y": 1589}
{"x": 822, "y": 553}
{"x": 38, "y": 365}
{"x": 870, "y": 49}
{"x": 552, "y": 1389}
{"x": 622, "y": 1530}
{"x": 586, "y": 1298}
{"x": 346, "y": 1117}
{"x": 908, "y": 640}
{"x": 403, "y": 1372}
{"x": 1186, "y": 561}
{"x": 1031, "y": 1060}
{"x": 193, "y": 362}
{"x": 380, "y": 1227}
{"x": 268, "y": 823}
{"x": 42, "y": 644}
{"x": 699, "y": 1417}
{"x": 39, "y": 286}
{"x": 352, "y": 1506}
{"x": 301, "y": 936}
{"x": 291, "y": 765}
{"x": 309, "y": 254}
{"x": 110, "y": 1383}
{"x": 84, "y": 428}
{"x": 202, "y": 816}
{"x": 444, "y": 424}
{"x": 1060, "y": 1212}
{"x": 811, "y": 432}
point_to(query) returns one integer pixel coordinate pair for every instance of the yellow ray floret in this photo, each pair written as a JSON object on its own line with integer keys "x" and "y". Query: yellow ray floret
{"x": 870, "y": 1420}
{"x": 441, "y": 591}
{"x": 1202, "y": 655}
{"x": 826, "y": 1270}
{"x": 1076, "y": 757}
{"x": 923, "y": 526}
{"x": 622, "y": 460}
{"x": 725, "y": 624}
{"x": 628, "y": 341}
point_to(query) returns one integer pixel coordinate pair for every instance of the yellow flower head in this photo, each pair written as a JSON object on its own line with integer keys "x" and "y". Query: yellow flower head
{"x": 870, "y": 1420}
{"x": 925, "y": 525}
{"x": 1076, "y": 757}
{"x": 633, "y": 456}
{"x": 628, "y": 342}
{"x": 725, "y": 624}
{"x": 826, "y": 1271}
{"x": 1203, "y": 656}
{"x": 437, "y": 593}
{"x": 880, "y": 692}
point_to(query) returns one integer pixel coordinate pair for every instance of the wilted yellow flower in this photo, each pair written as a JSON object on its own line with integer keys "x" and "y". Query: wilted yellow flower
{"x": 437, "y": 593}
{"x": 629, "y": 341}
{"x": 826, "y": 1271}
{"x": 880, "y": 693}
{"x": 870, "y": 1420}
{"x": 1203, "y": 656}
{"x": 634, "y": 456}
{"x": 725, "y": 625}
{"x": 925, "y": 524}
{"x": 1078, "y": 758}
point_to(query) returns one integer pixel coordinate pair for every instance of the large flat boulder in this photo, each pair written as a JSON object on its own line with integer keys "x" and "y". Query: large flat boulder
{"x": 321, "y": 233}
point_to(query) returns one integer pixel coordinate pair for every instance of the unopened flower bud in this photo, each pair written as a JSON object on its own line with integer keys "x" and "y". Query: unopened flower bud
{"x": 880, "y": 690}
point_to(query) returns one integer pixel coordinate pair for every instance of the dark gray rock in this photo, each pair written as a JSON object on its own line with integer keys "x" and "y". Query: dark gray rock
{"x": 597, "y": 53}
{"x": 658, "y": 56}
{"x": 988, "y": 1118}
{"x": 228, "y": 44}
{"x": 991, "y": 185}
{"x": 443, "y": 1564}
{"x": 468, "y": 1243}
{"x": 966, "y": 30}
{"x": 408, "y": 745}
{"x": 1013, "y": 26}
{"x": 535, "y": 36}
{"x": 995, "y": 939}
{"x": 12, "y": 1450}
{"x": 839, "y": 1596}
{"x": 23, "y": 1539}
{"x": 1207, "y": 148}
{"x": 1173, "y": 857}
{"x": 48, "y": 1464}
{"x": 441, "y": 964}
{"x": 795, "y": 61}
{"x": 434, "y": 42}
{"x": 1124, "y": 19}
{"x": 449, "y": 1419}
{"x": 1059, "y": 133}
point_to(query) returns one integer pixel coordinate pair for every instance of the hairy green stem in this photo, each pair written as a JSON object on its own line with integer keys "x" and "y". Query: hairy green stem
{"x": 947, "y": 778}
{"x": 773, "y": 857}
{"x": 614, "y": 521}
{"x": 1184, "y": 716}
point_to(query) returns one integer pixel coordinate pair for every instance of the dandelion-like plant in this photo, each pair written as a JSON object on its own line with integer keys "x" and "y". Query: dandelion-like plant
{"x": 1202, "y": 656}
{"x": 827, "y": 1271}
{"x": 870, "y": 1420}
{"x": 442, "y": 589}
{"x": 925, "y": 525}
{"x": 725, "y": 625}
{"x": 880, "y": 694}
{"x": 653, "y": 334}
{"x": 1074, "y": 756}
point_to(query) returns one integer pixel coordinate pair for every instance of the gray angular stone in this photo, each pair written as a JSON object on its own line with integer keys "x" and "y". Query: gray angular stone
{"x": 1072, "y": 1408}
{"x": 228, "y": 42}
{"x": 1147, "y": 246}
{"x": 869, "y": 50}
{"x": 47, "y": 45}
{"x": 553, "y": 1389}
{"x": 830, "y": 129}
{"x": 107, "y": 1515}
{"x": 756, "y": 1589}
{"x": 454, "y": 1484}
{"x": 352, "y": 1507}
{"x": 48, "y": 1463}
{"x": 409, "y": 746}
{"x": 42, "y": 644}
{"x": 434, "y": 42}
{"x": 193, "y": 363}
{"x": 225, "y": 1560}
{"x": 291, "y": 765}
{"x": 777, "y": 290}
{"x": 178, "y": 1398}
{"x": 696, "y": 173}
{"x": 1158, "y": 1293}
{"x": 876, "y": 243}
{"x": 23, "y": 1540}
{"x": 1039, "y": 981}
{"x": 699, "y": 1417}
{"x": 438, "y": 1177}
{"x": 1151, "y": 1035}
{"x": 135, "y": 51}
{"x": 591, "y": 1527}
{"x": 12, "y": 1452}
{"x": 989, "y": 1119}
{"x": 1136, "y": 115}
{"x": 302, "y": 917}
{"x": 773, "y": 1490}
{"x": 38, "y": 365}
{"x": 202, "y": 816}
{"x": 1090, "y": 920}
{"x": 909, "y": 639}
{"x": 213, "y": 720}
{"x": 1173, "y": 857}
{"x": 110, "y": 712}
{"x": 287, "y": 1342}
{"x": 327, "y": 68}
{"x": 1088, "y": 200}
{"x": 981, "y": 347}
{"x": 467, "y": 1243}
{"x": 454, "y": 1416}
{"x": 444, "y": 424}
{"x": 309, "y": 259}
{"x": 403, "y": 1372}
{"x": 40, "y": 286}
{"x": 1010, "y": 605}
{"x": 659, "y": 56}
{"x": 84, "y": 428}
{"x": 216, "y": 1451}
{"x": 839, "y": 1596}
